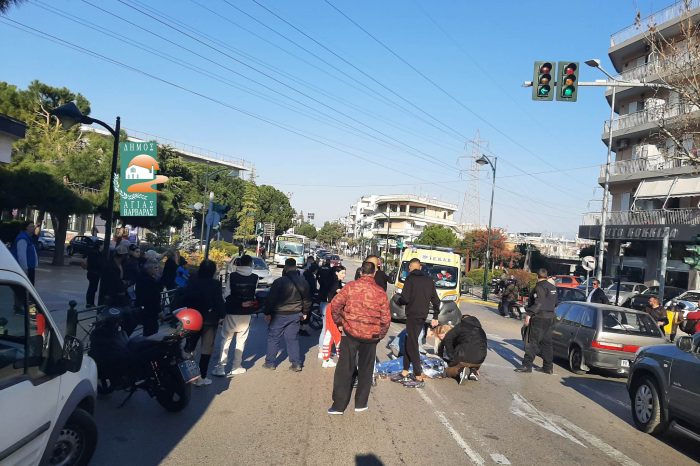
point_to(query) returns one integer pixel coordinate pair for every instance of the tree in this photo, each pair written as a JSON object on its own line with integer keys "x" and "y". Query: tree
{"x": 676, "y": 61}
{"x": 587, "y": 251}
{"x": 274, "y": 207}
{"x": 307, "y": 230}
{"x": 248, "y": 213}
{"x": 475, "y": 241}
{"x": 437, "y": 235}
{"x": 330, "y": 232}
{"x": 537, "y": 259}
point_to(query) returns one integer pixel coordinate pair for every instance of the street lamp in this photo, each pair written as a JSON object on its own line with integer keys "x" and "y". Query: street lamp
{"x": 595, "y": 63}
{"x": 483, "y": 160}
{"x": 207, "y": 176}
{"x": 70, "y": 115}
{"x": 211, "y": 207}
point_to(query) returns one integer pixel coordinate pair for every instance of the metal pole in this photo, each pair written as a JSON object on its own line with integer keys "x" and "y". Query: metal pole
{"x": 606, "y": 193}
{"x": 110, "y": 199}
{"x": 619, "y": 275}
{"x": 386, "y": 246}
{"x": 206, "y": 189}
{"x": 211, "y": 209}
{"x": 664, "y": 257}
{"x": 485, "y": 292}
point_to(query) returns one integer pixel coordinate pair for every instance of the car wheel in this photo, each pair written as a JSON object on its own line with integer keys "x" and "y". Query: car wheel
{"x": 76, "y": 441}
{"x": 576, "y": 360}
{"x": 647, "y": 411}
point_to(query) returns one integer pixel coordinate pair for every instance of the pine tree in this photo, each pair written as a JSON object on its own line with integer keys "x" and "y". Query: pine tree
{"x": 249, "y": 212}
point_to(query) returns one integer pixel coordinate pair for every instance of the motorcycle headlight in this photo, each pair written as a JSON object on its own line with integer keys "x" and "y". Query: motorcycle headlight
{"x": 450, "y": 298}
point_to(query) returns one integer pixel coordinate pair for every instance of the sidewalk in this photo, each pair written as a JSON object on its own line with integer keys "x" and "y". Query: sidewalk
{"x": 59, "y": 284}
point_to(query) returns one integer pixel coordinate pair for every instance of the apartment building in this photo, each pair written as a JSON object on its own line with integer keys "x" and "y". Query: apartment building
{"x": 10, "y": 131}
{"x": 651, "y": 185}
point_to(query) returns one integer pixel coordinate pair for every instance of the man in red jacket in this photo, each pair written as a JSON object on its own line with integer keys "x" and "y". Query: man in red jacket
{"x": 361, "y": 312}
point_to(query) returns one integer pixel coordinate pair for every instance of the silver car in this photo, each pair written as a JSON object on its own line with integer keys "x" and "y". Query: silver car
{"x": 601, "y": 336}
{"x": 260, "y": 268}
{"x": 628, "y": 290}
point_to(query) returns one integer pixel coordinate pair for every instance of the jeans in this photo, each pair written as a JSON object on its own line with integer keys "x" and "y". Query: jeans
{"x": 398, "y": 344}
{"x": 322, "y": 310}
{"x": 357, "y": 355}
{"x": 287, "y": 326}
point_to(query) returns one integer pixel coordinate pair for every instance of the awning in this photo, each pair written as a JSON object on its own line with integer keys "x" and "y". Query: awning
{"x": 654, "y": 189}
{"x": 669, "y": 187}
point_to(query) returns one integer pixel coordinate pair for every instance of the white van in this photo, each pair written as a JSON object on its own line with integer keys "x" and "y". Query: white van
{"x": 47, "y": 387}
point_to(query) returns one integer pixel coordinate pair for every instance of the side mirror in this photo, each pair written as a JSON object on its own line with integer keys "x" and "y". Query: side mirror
{"x": 685, "y": 344}
{"x": 72, "y": 357}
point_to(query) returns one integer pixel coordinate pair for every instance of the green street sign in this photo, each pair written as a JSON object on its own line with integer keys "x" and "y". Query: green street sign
{"x": 137, "y": 179}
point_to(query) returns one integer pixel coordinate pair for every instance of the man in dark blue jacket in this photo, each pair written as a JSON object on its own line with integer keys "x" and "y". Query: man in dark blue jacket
{"x": 24, "y": 250}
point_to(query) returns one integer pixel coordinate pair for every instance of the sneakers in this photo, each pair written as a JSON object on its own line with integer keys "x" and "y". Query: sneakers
{"x": 524, "y": 369}
{"x": 334, "y": 412}
{"x": 320, "y": 355}
{"x": 237, "y": 371}
{"x": 463, "y": 375}
{"x": 400, "y": 378}
{"x": 546, "y": 371}
{"x": 201, "y": 382}
{"x": 414, "y": 383}
{"x": 269, "y": 365}
{"x": 328, "y": 363}
{"x": 473, "y": 375}
{"x": 359, "y": 410}
{"x": 295, "y": 368}
{"x": 218, "y": 371}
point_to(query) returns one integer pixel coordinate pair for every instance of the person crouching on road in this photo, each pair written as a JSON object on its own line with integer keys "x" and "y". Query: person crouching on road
{"x": 361, "y": 312}
{"x": 203, "y": 293}
{"x": 330, "y": 335}
{"x": 539, "y": 320}
{"x": 417, "y": 295}
{"x": 287, "y": 304}
{"x": 239, "y": 306}
{"x": 464, "y": 348}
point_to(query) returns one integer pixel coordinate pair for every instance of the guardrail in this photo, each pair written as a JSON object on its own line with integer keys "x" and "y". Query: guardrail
{"x": 630, "y": 120}
{"x": 646, "y": 217}
{"x": 628, "y": 167}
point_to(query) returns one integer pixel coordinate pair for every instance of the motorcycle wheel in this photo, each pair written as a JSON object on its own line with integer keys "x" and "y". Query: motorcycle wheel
{"x": 173, "y": 394}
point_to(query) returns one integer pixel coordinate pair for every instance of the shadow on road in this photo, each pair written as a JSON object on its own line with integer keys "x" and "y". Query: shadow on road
{"x": 368, "y": 460}
{"x": 506, "y": 353}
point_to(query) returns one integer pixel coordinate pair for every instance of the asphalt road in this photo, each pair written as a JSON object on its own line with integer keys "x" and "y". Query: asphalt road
{"x": 279, "y": 417}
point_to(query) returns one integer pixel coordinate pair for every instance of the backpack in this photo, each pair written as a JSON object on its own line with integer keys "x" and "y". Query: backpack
{"x": 688, "y": 326}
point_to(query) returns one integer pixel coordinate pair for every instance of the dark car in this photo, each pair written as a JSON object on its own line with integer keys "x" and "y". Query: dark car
{"x": 334, "y": 259}
{"x": 563, "y": 294}
{"x": 82, "y": 245}
{"x": 641, "y": 301}
{"x": 664, "y": 387}
{"x": 601, "y": 336}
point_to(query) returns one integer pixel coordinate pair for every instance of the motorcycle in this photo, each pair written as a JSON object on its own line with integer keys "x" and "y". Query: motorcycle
{"x": 155, "y": 363}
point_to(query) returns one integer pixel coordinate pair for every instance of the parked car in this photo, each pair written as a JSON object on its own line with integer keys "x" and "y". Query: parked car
{"x": 689, "y": 299}
{"x": 563, "y": 294}
{"x": 321, "y": 254}
{"x": 48, "y": 387}
{"x": 260, "y": 268}
{"x": 335, "y": 260}
{"x": 46, "y": 240}
{"x": 641, "y": 301}
{"x": 628, "y": 290}
{"x": 82, "y": 245}
{"x": 601, "y": 336}
{"x": 587, "y": 284}
{"x": 664, "y": 388}
{"x": 568, "y": 281}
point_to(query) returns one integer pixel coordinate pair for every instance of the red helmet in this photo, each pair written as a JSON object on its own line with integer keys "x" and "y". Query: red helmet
{"x": 190, "y": 319}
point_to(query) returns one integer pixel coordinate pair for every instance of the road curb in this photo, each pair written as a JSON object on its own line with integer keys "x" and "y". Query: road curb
{"x": 479, "y": 301}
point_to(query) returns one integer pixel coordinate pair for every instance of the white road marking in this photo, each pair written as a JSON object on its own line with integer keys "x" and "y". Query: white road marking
{"x": 473, "y": 456}
{"x": 524, "y": 408}
{"x": 606, "y": 397}
{"x": 499, "y": 459}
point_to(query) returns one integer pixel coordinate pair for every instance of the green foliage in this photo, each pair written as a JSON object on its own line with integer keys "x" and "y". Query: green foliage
{"x": 587, "y": 251}
{"x": 274, "y": 207}
{"x": 228, "y": 248}
{"x": 437, "y": 235}
{"x": 9, "y": 230}
{"x": 330, "y": 232}
{"x": 247, "y": 215}
{"x": 476, "y": 276}
{"x": 537, "y": 259}
{"x": 307, "y": 230}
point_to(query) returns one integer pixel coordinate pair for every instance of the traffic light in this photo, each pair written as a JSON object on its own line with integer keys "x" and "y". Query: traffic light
{"x": 567, "y": 81}
{"x": 259, "y": 229}
{"x": 542, "y": 83}
{"x": 693, "y": 259}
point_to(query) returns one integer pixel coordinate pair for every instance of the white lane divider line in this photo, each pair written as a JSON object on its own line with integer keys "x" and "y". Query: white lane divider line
{"x": 606, "y": 397}
{"x": 473, "y": 456}
{"x": 522, "y": 407}
{"x": 499, "y": 459}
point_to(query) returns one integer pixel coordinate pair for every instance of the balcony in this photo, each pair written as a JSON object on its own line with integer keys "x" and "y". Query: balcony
{"x": 660, "y": 17}
{"x": 654, "y": 69}
{"x": 646, "y": 217}
{"x": 647, "y": 116}
{"x": 625, "y": 168}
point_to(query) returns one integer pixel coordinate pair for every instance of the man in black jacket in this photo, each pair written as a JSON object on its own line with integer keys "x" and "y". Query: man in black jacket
{"x": 464, "y": 347}
{"x": 417, "y": 295}
{"x": 240, "y": 304}
{"x": 287, "y": 304}
{"x": 380, "y": 278}
{"x": 539, "y": 321}
{"x": 597, "y": 295}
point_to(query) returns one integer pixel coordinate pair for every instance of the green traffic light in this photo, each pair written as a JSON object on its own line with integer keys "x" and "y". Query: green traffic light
{"x": 543, "y": 91}
{"x": 568, "y": 91}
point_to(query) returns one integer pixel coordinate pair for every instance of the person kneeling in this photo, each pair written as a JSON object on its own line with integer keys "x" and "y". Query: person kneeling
{"x": 464, "y": 349}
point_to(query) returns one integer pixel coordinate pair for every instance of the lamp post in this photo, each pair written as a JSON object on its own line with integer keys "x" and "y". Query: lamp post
{"x": 207, "y": 177}
{"x": 483, "y": 160}
{"x": 211, "y": 209}
{"x": 595, "y": 63}
{"x": 70, "y": 115}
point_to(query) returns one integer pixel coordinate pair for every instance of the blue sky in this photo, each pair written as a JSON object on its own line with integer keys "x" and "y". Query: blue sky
{"x": 331, "y": 121}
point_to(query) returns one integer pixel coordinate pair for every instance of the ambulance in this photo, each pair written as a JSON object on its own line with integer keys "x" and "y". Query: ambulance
{"x": 445, "y": 268}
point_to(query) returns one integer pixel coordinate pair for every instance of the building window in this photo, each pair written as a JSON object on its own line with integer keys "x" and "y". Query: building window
{"x": 417, "y": 210}
{"x": 625, "y": 202}
{"x": 393, "y": 207}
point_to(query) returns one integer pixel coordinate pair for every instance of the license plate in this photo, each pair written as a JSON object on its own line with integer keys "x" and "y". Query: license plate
{"x": 624, "y": 363}
{"x": 189, "y": 370}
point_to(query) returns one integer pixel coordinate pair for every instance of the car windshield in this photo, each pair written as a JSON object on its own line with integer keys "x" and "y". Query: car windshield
{"x": 47, "y": 234}
{"x": 259, "y": 264}
{"x": 623, "y": 287}
{"x": 289, "y": 248}
{"x": 693, "y": 296}
{"x": 651, "y": 290}
{"x": 445, "y": 277}
{"x": 615, "y": 321}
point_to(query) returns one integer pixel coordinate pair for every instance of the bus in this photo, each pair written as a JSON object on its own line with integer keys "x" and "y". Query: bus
{"x": 290, "y": 245}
